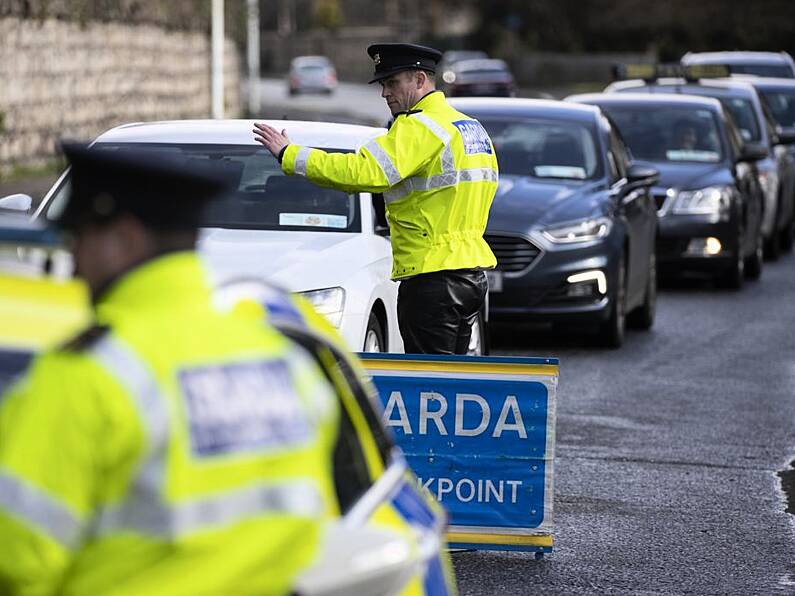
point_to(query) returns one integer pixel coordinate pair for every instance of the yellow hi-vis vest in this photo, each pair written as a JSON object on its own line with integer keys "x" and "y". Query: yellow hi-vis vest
{"x": 178, "y": 451}
{"x": 438, "y": 172}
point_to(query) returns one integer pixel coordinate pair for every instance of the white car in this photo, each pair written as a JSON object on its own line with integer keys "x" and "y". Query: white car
{"x": 325, "y": 244}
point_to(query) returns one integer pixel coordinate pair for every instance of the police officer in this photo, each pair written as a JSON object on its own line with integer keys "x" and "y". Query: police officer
{"x": 437, "y": 170}
{"x": 171, "y": 448}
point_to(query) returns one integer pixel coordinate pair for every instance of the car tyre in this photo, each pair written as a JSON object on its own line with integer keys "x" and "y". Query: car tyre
{"x": 479, "y": 340}
{"x": 643, "y": 316}
{"x": 753, "y": 264}
{"x": 786, "y": 236}
{"x": 734, "y": 276}
{"x": 374, "y": 336}
{"x": 611, "y": 332}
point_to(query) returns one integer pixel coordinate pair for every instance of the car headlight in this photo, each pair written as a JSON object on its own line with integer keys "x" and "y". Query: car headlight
{"x": 580, "y": 231}
{"x": 712, "y": 200}
{"x": 329, "y": 302}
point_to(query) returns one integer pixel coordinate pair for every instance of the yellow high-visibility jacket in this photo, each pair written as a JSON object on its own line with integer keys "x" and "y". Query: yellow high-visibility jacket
{"x": 173, "y": 449}
{"x": 438, "y": 172}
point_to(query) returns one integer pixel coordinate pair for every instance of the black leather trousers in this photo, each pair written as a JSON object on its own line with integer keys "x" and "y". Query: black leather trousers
{"x": 436, "y": 310}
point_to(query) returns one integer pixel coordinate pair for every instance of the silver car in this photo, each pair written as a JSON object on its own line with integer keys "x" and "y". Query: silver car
{"x": 311, "y": 74}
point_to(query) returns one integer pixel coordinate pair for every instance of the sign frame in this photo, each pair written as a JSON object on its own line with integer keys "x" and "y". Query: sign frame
{"x": 464, "y": 370}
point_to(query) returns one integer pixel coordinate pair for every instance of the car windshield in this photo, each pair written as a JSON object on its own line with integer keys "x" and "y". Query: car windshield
{"x": 311, "y": 68}
{"x": 658, "y": 132}
{"x": 762, "y": 70}
{"x": 262, "y": 197}
{"x": 782, "y": 106}
{"x": 544, "y": 148}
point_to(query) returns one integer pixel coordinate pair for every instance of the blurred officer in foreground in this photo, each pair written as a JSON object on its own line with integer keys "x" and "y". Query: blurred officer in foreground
{"x": 171, "y": 448}
{"x": 437, "y": 170}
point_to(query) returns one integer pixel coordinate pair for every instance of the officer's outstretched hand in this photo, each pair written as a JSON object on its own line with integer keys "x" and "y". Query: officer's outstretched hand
{"x": 273, "y": 140}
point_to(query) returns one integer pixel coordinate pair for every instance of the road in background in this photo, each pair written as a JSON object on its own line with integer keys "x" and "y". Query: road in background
{"x": 667, "y": 452}
{"x": 350, "y": 102}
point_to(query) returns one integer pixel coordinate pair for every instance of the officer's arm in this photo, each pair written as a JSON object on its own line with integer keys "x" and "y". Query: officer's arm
{"x": 380, "y": 164}
{"x": 51, "y": 431}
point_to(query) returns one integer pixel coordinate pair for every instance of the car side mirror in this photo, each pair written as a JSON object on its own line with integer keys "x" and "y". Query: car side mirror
{"x": 640, "y": 175}
{"x": 786, "y": 136}
{"x": 360, "y": 560}
{"x": 752, "y": 152}
{"x": 16, "y": 202}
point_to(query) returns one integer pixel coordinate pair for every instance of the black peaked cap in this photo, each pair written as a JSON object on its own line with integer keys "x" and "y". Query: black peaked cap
{"x": 392, "y": 58}
{"x": 163, "y": 191}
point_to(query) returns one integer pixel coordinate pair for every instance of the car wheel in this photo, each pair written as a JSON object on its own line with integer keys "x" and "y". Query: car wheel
{"x": 643, "y": 316}
{"x": 478, "y": 341}
{"x": 753, "y": 264}
{"x": 374, "y": 336}
{"x": 786, "y": 236}
{"x": 734, "y": 276}
{"x": 611, "y": 333}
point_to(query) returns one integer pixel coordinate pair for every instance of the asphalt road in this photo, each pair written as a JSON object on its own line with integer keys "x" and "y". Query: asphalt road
{"x": 350, "y": 102}
{"x": 667, "y": 452}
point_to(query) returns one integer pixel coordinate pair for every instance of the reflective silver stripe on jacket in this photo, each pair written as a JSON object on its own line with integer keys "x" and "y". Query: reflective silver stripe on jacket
{"x": 415, "y": 183}
{"x": 384, "y": 162}
{"x": 434, "y": 126}
{"x": 301, "y": 160}
{"x": 449, "y": 175}
{"x": 144, "y": 508}
{"x": 33, "y": 506}
{"x": 300, "y": 498}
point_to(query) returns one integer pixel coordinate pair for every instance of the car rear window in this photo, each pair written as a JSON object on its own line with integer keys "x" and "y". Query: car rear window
{"x": 263, "y": 198}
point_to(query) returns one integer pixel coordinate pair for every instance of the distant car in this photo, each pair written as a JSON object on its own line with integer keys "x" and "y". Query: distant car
{"x": 311, "y": 74}
{"x": 450, "y": 57}
{"x": 320, "y": 243}
{"x": 573, "y": 223}
{"x": 778, "y": 99}
{"x": 708, "y": 199}
{"x": 766, "y": 64}
{"x": 490, "y": 78}
{"x": 742, "y": 102}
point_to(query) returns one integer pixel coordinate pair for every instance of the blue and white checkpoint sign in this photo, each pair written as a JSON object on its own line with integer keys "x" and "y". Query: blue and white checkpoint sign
{"x": 479, "y": 433}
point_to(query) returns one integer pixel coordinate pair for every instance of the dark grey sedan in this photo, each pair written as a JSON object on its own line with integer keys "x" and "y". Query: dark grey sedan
{"x": 573, "y": 223}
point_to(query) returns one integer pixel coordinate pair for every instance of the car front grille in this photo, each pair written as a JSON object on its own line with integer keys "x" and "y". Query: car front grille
{"x": 513, "y": 253}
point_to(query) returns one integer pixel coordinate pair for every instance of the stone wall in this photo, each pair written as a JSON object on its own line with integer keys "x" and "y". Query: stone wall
{"x": 63, "y": 80}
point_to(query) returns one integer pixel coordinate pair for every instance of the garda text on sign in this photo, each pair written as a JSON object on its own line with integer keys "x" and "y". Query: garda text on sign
{"x": 479, "y": 434}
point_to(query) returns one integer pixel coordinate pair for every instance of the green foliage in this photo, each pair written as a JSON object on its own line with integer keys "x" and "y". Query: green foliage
{"x": 667, "y": 28}
{"x": 327, "y": 14}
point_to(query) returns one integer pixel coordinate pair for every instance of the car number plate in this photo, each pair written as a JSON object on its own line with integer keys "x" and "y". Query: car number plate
{"x": 495, "y": 280}
{"x": 483, "y": 88}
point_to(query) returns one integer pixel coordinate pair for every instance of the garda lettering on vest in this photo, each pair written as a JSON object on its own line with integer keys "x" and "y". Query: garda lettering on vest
{"x": 480, "y": 442}
{"x": 476, "y": 139}
{"x": 250, "y": 406}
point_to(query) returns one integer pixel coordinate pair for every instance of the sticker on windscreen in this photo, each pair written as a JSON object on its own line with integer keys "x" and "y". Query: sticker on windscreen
{"x": 317, "y": 220}
{"x": 691, "y": 155}
{"x": 559, "y": 172}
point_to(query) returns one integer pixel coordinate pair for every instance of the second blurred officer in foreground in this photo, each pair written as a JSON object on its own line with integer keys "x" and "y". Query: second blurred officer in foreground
{"x": 438, "y": 172}
{"x": 170, "y": 449}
